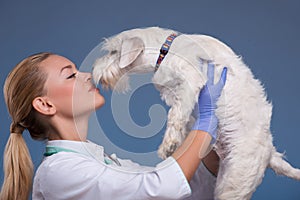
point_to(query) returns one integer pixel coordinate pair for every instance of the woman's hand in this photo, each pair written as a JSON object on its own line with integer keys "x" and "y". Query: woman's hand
{"x": 206, "y": 119}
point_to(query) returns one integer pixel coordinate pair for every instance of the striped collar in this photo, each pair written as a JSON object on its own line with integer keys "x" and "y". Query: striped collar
{"x": 165, "y": 49}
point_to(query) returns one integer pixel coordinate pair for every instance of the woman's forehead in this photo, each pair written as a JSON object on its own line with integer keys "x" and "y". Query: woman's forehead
{"x": 56, "y": 63}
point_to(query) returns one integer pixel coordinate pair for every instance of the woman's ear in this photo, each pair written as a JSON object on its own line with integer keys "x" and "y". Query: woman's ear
{"x": 44, "y": 106}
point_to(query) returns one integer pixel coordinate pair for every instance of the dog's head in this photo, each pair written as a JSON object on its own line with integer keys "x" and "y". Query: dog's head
{"x": 125, "y": 54}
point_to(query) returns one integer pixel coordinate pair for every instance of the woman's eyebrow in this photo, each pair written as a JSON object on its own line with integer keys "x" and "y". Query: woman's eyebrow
{"x": 66, "y": 67}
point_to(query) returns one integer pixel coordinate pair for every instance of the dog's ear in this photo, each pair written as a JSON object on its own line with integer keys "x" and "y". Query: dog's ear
{"x": 130, "y": 50}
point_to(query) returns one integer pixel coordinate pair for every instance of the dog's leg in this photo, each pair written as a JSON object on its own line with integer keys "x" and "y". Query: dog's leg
{"x": 242, "y": 170}
{"x": 179, "y": 89}
{"x": 182, "y": 101}
{"x": 173, "y": 134}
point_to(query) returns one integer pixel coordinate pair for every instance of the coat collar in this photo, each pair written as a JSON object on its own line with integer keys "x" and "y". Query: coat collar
{"x": 87, "y": 148}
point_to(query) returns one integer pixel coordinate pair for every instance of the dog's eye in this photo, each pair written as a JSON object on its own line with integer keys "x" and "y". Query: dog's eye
{"x": 113, "y": 52}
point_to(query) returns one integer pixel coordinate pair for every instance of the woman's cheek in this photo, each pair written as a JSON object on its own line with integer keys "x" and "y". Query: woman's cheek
{"x": 61, "y": 94}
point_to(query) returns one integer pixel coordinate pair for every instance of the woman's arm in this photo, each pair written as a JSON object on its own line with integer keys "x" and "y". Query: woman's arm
{"x": 190, "y": 153}
{"x": 203, "y": 133}
{"x": 211, "y": 162}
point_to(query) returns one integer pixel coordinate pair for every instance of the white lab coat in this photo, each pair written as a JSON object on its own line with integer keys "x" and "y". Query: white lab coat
{"x": 89, "y": 174}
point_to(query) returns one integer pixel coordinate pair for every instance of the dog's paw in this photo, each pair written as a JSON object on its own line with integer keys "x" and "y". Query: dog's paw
{"x": 166, "y": 151}
{"x": 171, "y": 149}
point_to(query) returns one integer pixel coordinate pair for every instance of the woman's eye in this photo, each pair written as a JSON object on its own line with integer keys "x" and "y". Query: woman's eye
{"x": 72, "y": 76}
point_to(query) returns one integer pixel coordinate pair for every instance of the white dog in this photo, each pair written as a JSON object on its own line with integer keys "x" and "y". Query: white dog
{"x": 245, "y": 142}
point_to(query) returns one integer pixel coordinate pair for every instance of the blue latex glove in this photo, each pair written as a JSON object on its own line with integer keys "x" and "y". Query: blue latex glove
{"x": 208, "y": 97}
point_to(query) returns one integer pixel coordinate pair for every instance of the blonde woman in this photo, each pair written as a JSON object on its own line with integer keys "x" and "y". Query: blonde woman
{"x": 49, "y": 97}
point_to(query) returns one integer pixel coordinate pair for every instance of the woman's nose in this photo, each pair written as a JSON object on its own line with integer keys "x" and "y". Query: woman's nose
{"x": 85, "y": 76}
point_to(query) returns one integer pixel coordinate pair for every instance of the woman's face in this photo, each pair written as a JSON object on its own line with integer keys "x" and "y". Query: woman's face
{"x": 72, "y": 92}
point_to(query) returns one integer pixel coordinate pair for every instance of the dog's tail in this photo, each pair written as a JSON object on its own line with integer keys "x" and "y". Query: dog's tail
{"x": 282, "y": 167}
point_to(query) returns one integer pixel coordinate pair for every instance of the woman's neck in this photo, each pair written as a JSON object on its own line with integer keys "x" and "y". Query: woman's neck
{"x": 69, "y": 129}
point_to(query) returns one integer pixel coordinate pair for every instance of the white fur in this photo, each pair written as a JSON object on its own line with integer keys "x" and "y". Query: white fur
{"x": 245, "y": 142}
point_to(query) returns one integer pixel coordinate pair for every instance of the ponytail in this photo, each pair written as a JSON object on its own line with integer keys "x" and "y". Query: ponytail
{"x": 24, "y": 83}
{"x": 18, "y": 167}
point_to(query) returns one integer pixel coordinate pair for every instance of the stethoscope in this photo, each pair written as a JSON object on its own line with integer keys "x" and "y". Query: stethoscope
{"x": 112, "y": 157}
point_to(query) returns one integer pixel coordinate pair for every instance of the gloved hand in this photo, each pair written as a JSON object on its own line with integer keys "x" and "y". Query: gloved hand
{"x": 208, "y": 96}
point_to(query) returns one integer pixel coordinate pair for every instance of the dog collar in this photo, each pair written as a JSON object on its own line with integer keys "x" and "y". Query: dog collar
{"x": 165, "y": 49}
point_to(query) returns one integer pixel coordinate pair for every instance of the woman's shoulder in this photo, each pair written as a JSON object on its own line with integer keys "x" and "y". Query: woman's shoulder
{"x": 62, "y": 172}
{"x": 66, "y": 164}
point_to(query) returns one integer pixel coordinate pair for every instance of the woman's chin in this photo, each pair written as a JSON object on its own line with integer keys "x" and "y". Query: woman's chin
{"x": 99, "y": 103}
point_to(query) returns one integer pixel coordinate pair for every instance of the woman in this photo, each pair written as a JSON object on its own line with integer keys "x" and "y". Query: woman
{"x": 49, "y": 97}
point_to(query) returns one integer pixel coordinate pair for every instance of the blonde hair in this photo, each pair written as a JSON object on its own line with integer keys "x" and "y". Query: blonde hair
{"x": 24, "y": 83}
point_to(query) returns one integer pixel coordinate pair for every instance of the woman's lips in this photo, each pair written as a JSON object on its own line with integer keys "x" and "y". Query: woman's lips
{"x": 92, "y": 88}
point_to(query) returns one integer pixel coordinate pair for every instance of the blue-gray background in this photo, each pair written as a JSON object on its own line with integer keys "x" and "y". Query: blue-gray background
{"x": 265, "y": 33}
